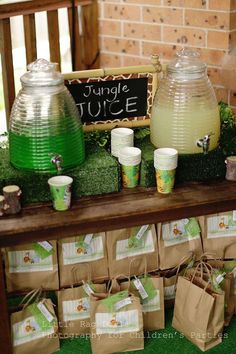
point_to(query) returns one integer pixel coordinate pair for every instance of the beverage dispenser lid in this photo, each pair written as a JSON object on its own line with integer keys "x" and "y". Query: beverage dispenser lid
{"x": 42, "y": 73}
{"x": 187, "y": 62}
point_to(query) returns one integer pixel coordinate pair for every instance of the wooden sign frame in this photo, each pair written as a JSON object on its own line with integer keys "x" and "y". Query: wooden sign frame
{"x": 150, "y": 71}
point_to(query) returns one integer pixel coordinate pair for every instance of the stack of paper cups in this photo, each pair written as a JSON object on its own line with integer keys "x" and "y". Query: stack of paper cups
{"x": 165, "y": 163}
{"x": 121, "y": 137}
{"x": 165, "y": 158}
{"x": 130, "y": 158}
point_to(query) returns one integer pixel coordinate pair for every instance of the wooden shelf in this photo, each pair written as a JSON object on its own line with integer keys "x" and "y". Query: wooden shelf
{"x": 128, "y": 208}
{"x": 101, "y": 213}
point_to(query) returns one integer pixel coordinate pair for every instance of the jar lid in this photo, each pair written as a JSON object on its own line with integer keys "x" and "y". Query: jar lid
{"x": 42, "y": 73}
{"x": 187, "y": 62}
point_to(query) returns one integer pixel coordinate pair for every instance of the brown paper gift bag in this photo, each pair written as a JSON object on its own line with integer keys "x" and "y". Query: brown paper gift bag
{"x": 176, "y": 239}
{"x": 227, "y": 283}
{"x": 170, "y": 277}
{"x": 218, "y": 232}
{"x": 30, "y": 265}
{"x": 151, "y": 296}
{"x": 154, "y": 309}
{"x": 126, "y": 244}
{"x": 199, "y": 312}
{"x": 74, "y": 308}
{"x": 34, "y": 329}
{"x": 78, "y": 250}
{"x": 117, "y": 323}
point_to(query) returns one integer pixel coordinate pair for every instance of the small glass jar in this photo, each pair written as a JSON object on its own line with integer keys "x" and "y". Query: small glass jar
{"x": 45, "y": 122}
{"x": 185, "y": 112}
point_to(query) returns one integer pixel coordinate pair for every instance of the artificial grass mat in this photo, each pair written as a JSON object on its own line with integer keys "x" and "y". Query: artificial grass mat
{"x": 163, "y": 341}
{"x": 191, "y": 168}
{"x": 100, "y": 173}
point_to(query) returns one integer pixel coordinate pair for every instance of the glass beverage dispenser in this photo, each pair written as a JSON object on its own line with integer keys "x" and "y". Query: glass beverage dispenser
{"x": 45, "y": 122}
{"x": 185, "y": 113}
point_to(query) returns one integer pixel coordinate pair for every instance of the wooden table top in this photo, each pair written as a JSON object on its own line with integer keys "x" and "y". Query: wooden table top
{"x": 117, "y": 210}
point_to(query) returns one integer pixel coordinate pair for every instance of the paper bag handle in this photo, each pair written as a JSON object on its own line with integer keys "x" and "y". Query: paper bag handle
{"x": 209, "y": 254}
{"x": 182, "y": 261}
{"x": 115, "y": 279}
{"x": 35, "y": 293}
{"x": 226, "y": 247}
{"x": 132, "y": 262}
{"x": 203, "y": 291}
{"x": 202, "y": 264}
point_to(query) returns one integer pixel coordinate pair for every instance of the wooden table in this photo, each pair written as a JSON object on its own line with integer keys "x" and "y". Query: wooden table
{"x": 101, "y": 213}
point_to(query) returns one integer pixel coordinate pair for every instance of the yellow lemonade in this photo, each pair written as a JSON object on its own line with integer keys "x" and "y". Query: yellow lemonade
{"x": 180, "y": 129}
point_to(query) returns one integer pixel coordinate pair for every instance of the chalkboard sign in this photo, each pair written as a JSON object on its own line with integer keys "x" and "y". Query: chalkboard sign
{"x": 109, "y": 96}
{"x": 114, "y": 99}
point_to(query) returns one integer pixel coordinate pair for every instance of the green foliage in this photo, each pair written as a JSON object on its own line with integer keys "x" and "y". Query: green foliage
{"x": 226, "y": 115}
{"x": 228, "y": 130}
{"x": 101, "y": 137}
{"x": 141, "y": 133}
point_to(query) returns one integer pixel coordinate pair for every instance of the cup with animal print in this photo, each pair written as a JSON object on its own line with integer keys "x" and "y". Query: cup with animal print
{"x": 165, "y": 163}
{"x": 130, "y": 158}
{"x": 60, "y": 188}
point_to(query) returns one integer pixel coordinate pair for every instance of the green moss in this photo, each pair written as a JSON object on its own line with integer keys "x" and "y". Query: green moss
{"x": 97, "y": 175}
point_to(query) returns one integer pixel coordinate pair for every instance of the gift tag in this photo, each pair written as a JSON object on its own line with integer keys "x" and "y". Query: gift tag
{"x": 122, "y": 303}
{"x": 185, "y": 221}
{"x": 88, "y": 289}
{"x": 141, "y": 231}
{"x": 88, "y": 238}
{"x": 46, "y": 245}
{"x": 139, "y": 286}
{"x": 43, "y": 249}
{"x": 220, "y": 278}
{"x": 192, "y": 227}
{"x": 234, "y": 215}
{"x": 42, "y": 308}
{"x": 234, "y": 272}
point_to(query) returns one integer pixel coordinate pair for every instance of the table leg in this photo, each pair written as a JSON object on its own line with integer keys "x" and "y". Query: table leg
{"x": 5, "y": 336}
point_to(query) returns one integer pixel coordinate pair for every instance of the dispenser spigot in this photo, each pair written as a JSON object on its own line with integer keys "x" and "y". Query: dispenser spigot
{"x": 204, "y": 143}
{"x": 57, "y": 160}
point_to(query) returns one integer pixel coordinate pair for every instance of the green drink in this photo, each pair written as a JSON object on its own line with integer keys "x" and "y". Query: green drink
{"x": 35, "y": 153}
{"x": 45, "y": 123}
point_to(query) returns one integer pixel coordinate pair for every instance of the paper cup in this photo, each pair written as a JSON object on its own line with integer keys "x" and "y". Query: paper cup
{"x": 130, "y": 176}
{"x": 60, "y": 188}
{"x": 165, "y": 180}
{"x": 130, "y": 158}
{"x": 165, "y": 158}
{"x": 121, "y": 137}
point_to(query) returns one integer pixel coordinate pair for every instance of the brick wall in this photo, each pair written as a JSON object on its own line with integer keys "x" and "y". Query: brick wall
{"x": 132, "y": 30}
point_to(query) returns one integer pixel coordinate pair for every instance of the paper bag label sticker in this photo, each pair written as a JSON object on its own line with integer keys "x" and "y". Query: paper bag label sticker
{"x": 152, "y": 305}
{"x": 145, "y": 245}
{"x": 180, "y": 231}
{"x": 169, "y": 292}
{"x": 120, "y": 322}
{"x": 222, "y": 225}
{"x": 28, "y": 330}
{"x": 73, "y": 254}
{"x": 76, "y": 309}
{"x": 28, "y": 261}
